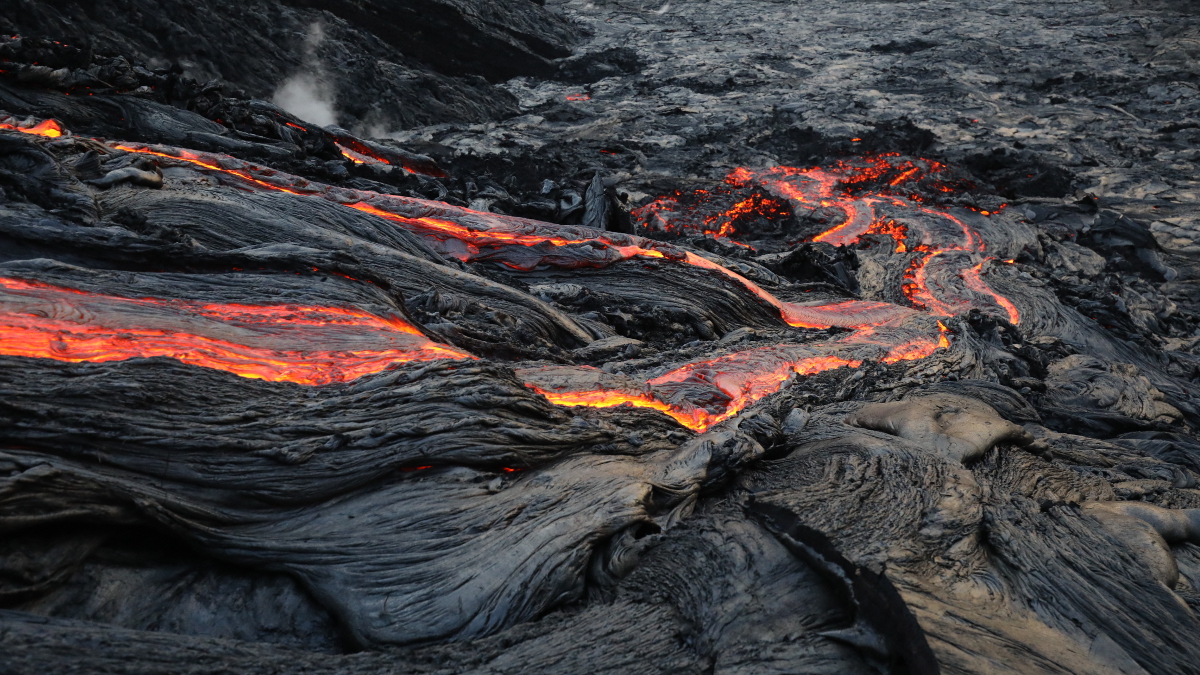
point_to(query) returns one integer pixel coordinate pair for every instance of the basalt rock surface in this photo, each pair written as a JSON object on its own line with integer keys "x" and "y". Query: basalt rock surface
{"x": 389, "y": 64}
{"x": 768, "y": 337}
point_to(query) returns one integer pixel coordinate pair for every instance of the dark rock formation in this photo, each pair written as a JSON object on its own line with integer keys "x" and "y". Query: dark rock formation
{"x": 600, "y": 387}
{"x": 387, "y": 64}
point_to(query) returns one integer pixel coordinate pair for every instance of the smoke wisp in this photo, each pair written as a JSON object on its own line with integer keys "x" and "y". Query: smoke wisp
{"x": 308, "y": 93}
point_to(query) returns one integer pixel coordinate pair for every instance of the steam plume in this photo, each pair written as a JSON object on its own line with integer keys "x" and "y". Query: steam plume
{"x": 308, "y": 94}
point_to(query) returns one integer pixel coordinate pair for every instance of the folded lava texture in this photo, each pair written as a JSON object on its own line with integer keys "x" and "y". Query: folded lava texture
{"x": 747, "y": 337}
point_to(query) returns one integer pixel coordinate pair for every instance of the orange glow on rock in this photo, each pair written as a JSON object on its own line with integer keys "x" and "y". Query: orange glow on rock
{"x": 46, "y": 321}
{"x": 743, "y": 378}
{"x": 276, "y": 337}
{"x": 612, "y": 399}
{"x": 974, "y": 279}
{"x": 943, "y": 340}
{"x": 911, "y": 351}
{"x": 47, "y": 128}
{"x": 356, "y": 157}
{"x": 497, "y": 231}
{"x": 360, "y": 153}
{"x": 897, "y": 231}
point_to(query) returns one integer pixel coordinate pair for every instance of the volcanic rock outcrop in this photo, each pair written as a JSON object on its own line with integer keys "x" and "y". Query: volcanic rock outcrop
{"x": 389, "y": 64}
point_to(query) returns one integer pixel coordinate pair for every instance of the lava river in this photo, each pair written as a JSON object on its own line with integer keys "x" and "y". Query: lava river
{"x": 946, "y": 263}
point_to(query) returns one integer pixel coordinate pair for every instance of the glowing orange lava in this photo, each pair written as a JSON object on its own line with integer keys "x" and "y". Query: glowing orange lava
{"x": 46, "y": 321}
{"x": 478, "y": 230}
{"x": 742, "y": 378}
{"x": 946, "y": 233}
{"x": 974, "y": 279}
{"x": 941, "y": 243}
{"x": 363, "y": 152}
{"x": 47, "y": 128}
{"x": 897, "y": 231}
{"x": 612, "y": 399}
{"x": 726, "y": 385}
{"x": 356, "y": 157}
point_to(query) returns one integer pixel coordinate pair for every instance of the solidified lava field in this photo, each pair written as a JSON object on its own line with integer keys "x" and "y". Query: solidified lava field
{"x": 725, "y": 336}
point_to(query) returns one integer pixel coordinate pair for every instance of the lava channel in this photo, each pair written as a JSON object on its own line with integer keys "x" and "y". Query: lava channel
{"x": 278, "y": 343}
{"x": 701, "y": 394}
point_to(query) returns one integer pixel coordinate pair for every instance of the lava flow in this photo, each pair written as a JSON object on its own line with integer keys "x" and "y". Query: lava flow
{"x": 883, "y": 212}
{"x": 268, "y": 342}
{"x": 698, "y": 395}
{"x": 474, "y": 235}
{"x": 46, "y": 128}
{"x": 945, "y": 248}
{"x": 703, "y": 393}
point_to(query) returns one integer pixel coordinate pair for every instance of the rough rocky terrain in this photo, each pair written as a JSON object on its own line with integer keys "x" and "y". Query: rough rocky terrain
{"x": 731, "y": 336}
{"x": 386, "y": 64}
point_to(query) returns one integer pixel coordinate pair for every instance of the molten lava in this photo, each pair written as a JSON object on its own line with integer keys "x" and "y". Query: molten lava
{"x": 612, "y": 399}
{"x": 881, "y": 212}
{"x": 945, "y": 247}
{"x": 274, "y": 339}
{"x": 734, "y": 381}
{"x": 974, "y": 279}
{"x": 473, "y": 235}
{"x": 46, "y": 128}
{"x": 269, "y": 342}
{"x": 358, "y": 157}
{"x": 730, "y": 383}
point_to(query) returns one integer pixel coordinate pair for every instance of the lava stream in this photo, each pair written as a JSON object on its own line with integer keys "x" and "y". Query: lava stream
{"x": 940, "y": 232}
{"x": 46, "y": 128}
{"x": 269, "y": 342}
{"x": 734, "y": 381}
{"x": 473, "y": 235}
{"x": 884, "y": 332}
{"x": 944, "y": 241}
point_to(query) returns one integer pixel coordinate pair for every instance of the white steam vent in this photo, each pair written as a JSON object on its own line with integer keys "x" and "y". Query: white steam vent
{"x": 308, "y": 93}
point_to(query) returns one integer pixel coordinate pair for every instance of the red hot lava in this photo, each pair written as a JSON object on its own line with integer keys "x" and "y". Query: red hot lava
{"x": 46, "y": 128}
{"x": 884, "y": 331}
{"x": 932, "y": 233}
{"x": 270, "y": 342}
{"x": 474, "y": 235}
{"x": 945, "y": 247}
